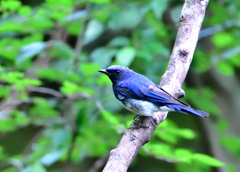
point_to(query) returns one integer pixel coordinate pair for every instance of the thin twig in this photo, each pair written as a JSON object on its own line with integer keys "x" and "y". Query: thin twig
{"x": 99, "y": 163}
{"x": 45, "y": 90}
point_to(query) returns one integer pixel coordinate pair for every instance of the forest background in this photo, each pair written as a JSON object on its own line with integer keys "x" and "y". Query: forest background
{"x": 58, "y": 114}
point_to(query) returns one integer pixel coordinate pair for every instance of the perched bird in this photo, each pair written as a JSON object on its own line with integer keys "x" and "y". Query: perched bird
{"x": 140, "y": 95}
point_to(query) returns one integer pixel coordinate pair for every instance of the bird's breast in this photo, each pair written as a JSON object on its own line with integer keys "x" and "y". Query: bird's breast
{"x": 140, "y": 107}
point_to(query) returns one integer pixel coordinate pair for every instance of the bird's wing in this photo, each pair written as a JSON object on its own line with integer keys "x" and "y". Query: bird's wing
{"x": 144, "y": 91}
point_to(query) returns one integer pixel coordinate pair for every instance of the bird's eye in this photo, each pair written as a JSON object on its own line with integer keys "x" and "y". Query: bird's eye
{"x": 118, "y": 72}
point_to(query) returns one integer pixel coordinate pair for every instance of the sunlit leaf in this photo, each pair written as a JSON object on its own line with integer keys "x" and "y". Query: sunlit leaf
{"x": 205, "y": 159}
{"x": 94, "y": 29}
{"x": 119, "y": 41}
{"x": 51, "y": 157}
{"x": 89, "y": 69}
{"x": 127, "y": 18}
{"x": 51, "y": 74}
{"x": 231, "y": 143}
{"x": 222, "y": 39}
{"x": 103, "y": 56}
{"x": 183, "y": 154}
{"x": 167, "y": 137}
{"x": 37, "y": 166}
{"x": 24, "y": 10}
{"x": 39, "y": 23}
{"x": 11, "y": 26}
{"x": 126, "y": 55}
{"x": 225, "y": 68}
{"x": 100, "y": 1}
{"x": 222, "y": 125}
{"x": 110, "y": 118}
{"x": 160, "y": 149}
{"x": 158, "y": 7}
{"x": 204, "y": 100}
{"x": 74, "y": 27}
{"x": 61, "y": 50}
{"x": 30, "y": 50}
{"x": 12, "y": 5}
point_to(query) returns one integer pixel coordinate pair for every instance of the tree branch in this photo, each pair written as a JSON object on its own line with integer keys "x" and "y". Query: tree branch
{"x": 190, "y": 22}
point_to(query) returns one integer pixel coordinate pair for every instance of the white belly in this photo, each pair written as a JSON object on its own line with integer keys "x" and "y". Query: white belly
{"x": 144, "y": 108}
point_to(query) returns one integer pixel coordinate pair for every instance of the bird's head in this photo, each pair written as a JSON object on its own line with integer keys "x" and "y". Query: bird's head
{"x": 117, "y": 72}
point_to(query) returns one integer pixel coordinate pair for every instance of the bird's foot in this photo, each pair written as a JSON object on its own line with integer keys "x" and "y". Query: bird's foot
{"x": 138, "y": 119}
{"x": 137, "y": 127}
{"x": 137, "y": 116}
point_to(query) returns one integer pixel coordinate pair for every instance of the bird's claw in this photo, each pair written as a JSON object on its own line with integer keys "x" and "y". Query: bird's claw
{"x": 138, "y": 119}
{"x": 138, "y": 126}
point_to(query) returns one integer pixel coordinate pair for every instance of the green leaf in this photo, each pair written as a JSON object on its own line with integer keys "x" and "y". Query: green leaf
{"x": 51, "y": 74}
{"x": 126, "y": 55}
{"x": 89, "y": 69}
{"x": 119, "y": 41}
{"x": 74, "y": 27}
{"x": 204, "y": 100}
{"x": 11, "y": 26}
{"x": 205, "y": 159}
{"x": 185, "y": 133}
{"x": 61, "y": 50}
{"x": 71, "y": 88}
{"x": 126, "y": 18}
{"x": 51, "y": 157}
{"x": 110, "y": 117}
{"x": 93, "y": 31}
{"x": 102, "y": 80}
{"x": 156, "y": 47}
{"x": 12, "y": 5}
{"x": 24, "y": 10}
{"x": 145, "y": 54}
{"x": 67, "y": 3}
{"x": 20, "y": 118}
{"x": 39, "y": 105}
{"x": 60, "y": 137}
{"x": 103, "y": 56}
{"x": 158, "y": 7}
{"x": 223, "y": 39}
{"x": 38, "y": 167}
{"x": 225, "y": 68}
{"x": 167, "y": 137}
{"x": 12, "y": 77}
{"x": 7, "y": 124}
{"x": 183, "y": 154}
{"x": 231, "y": 143}
{"x": 39, "y": 23}
{"x": 100, "y": 1}
{"x": 30, "y": 50}
{"x": 201, "y": 61}
{"x": 222, "y": 125}
{"x": 2, "y": 155}
{"x": 160, "y": 149}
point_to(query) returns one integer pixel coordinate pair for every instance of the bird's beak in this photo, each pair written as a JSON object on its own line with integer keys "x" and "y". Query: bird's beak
{"x": 103, "y": 71}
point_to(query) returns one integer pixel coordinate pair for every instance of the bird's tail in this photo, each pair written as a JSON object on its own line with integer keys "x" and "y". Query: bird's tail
{"x": 188, "y": 110}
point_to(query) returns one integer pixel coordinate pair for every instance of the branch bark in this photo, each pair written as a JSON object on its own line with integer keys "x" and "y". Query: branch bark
{"x": 190, "y": 22}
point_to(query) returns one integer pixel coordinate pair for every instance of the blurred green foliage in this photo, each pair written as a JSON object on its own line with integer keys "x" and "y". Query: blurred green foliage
{"x": 51, "y": 87}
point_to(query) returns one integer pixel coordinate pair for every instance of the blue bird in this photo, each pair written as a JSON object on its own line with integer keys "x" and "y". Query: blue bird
{"x": 141, "y": 96}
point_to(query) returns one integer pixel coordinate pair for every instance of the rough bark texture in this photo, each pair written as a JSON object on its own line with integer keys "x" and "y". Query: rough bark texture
{"x": 190, "y": 22}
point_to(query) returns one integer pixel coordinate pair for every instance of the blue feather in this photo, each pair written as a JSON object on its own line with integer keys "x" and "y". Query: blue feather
{"x": 136, "y": 91}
